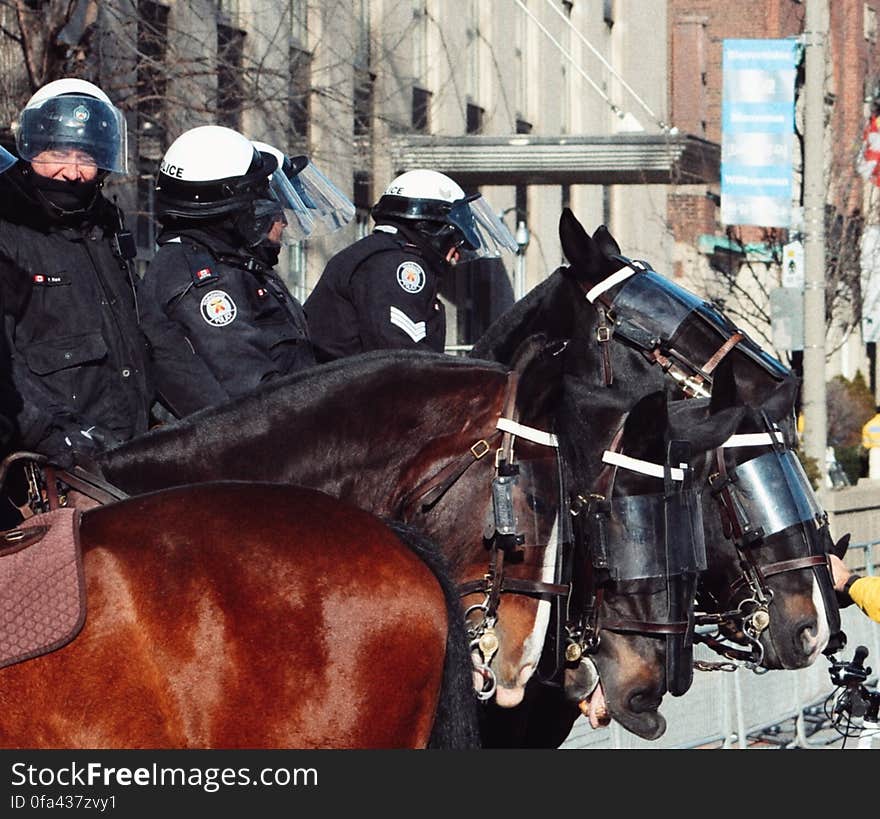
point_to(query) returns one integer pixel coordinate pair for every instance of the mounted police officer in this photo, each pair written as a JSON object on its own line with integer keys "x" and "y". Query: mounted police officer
{"x": 79, "y": 360}
{"x": 219, "y": 318}
{"x": 382, "y": 291}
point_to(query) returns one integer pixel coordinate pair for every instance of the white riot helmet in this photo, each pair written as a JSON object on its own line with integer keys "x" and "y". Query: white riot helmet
{"x": 212, "y": 171}
{"x": 437, "y": 206}
{"x": 74, "y": 114}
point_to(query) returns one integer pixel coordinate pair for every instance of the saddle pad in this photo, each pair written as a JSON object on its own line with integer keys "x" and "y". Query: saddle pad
{"x": 42, "y": 586}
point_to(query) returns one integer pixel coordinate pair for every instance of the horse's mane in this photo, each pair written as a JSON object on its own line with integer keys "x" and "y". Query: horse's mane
{"x": 456, "y": 724}
{"x": 309, "y": 387}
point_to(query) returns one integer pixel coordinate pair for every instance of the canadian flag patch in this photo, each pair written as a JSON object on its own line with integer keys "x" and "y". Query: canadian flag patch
{"x": 204, "y": 273}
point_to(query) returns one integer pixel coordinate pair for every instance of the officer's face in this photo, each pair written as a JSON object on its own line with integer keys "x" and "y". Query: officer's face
{"x": 274, "y": 234}
{"x": 65, "y": 164}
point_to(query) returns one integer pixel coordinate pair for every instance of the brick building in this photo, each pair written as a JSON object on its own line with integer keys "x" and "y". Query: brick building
{"x": 709, "y": 254}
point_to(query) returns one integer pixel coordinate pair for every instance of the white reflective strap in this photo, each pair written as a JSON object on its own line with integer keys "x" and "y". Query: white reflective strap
{"x": 606, "y": 284}
{"x": 536, "y": 436}
{"x": 754, "y": 439}
{"x": 645, "y": 467}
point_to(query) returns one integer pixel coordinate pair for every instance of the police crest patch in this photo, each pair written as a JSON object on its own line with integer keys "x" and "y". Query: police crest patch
{"x": 218, "y": 308}
{"x": 411, "y": 277}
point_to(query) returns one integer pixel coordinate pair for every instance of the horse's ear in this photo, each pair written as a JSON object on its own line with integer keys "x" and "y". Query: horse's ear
{"x": 781, "y": 401}
{"x": 606, "y": 243}
{"x": 576, "y": 242}
{"x": 841, "y": 546}
{"x": 644, "y": 431}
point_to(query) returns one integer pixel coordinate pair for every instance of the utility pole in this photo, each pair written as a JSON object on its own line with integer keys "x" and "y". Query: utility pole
{"x": 813, "y": 394}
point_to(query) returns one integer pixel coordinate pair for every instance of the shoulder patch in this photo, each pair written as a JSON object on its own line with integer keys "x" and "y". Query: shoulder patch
{"x": 204, "y": 276}
{"x": 217, "y": 308}
{"x": 201, "y": 267}
{"x": 411, "y": 277}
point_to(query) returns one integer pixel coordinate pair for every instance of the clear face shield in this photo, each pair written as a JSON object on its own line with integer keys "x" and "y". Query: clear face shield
{"x": 289, "y": 207}
{"x": 772, "y": 492}
{"x": 7, "y": 160}
{"x": 653, "y": 536}
{"x": 328, "y": 208}
{"x": 485, "y": 235}
{"x": 659, "y": 541}
{"x": 660, "y": 306}
{"x": 74, "y": 128}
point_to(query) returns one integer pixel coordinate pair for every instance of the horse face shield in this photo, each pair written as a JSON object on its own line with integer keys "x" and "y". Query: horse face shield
{"x": 656, "y": 542}
{"x": 651, "y": 310}
{"x": 772, "y": 493}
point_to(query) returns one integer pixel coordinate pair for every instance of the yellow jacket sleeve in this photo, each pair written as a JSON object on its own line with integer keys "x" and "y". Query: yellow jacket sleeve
{"x": 865, "y": 593}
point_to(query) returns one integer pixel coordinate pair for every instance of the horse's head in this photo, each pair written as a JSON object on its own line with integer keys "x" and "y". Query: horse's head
{"x": 768, "y": 589}
{"x": 685, "y": 334}
{"x": 508, "y": 610}
{"x": 642, "y": 531}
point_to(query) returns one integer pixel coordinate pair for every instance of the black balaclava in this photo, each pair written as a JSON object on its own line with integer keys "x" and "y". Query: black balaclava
{"x": 432, "y": 238}
{"x": 65, "y": 198}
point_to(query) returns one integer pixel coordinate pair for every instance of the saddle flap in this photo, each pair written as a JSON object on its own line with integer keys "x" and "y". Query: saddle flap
{"x": 42, "y": 586}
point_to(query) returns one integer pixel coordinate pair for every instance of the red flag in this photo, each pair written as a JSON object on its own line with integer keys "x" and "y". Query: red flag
{"x": 869, "y": 162}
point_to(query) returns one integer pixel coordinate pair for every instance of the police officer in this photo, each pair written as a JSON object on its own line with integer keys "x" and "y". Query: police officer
{"x": 219, "y": 319}
{"x": 381, "y": 292}
{"x": 78, "y": 357}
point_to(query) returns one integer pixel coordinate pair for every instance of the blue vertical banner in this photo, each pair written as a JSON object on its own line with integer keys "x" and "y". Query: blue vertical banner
{"x": 757, "y": 132}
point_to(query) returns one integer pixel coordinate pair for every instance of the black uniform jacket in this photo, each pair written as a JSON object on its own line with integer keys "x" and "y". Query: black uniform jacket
{"x": 219, "y": 321}
{"x": 379, "y": 293}
{"x": 79, "y": 360}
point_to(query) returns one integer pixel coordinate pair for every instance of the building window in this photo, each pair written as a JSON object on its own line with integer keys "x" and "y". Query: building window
{"x": 420, "y": 42}
{"x": 230, "y": 89}
{"x": 299, "y": 20}
{"x": 363, "y": 201}
{"x": 363, "y": 101}
{"x": 870, "y": 24}
{"x": 474, "y": 117}
{"x": 421, "y": 110}
{"x": 299, "y": 98}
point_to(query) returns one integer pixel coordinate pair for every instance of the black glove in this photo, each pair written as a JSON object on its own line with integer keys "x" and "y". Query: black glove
{"x": 64, "y": 446}
{"x": 843, "y": 598}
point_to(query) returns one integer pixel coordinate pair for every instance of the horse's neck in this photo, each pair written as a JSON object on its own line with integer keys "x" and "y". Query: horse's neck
{"x": 375, "y": 445}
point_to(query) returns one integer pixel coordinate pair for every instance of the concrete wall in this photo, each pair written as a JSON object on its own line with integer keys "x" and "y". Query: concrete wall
{"x": 855, "y": 510}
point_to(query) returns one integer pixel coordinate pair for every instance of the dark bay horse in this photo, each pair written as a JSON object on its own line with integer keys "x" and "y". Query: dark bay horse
{"x": 408, "y": 436}
{"x": 620, "y": 350}
{"x": 244, "y": 615}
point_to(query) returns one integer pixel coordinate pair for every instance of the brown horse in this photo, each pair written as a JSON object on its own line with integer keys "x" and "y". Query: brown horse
{"x": 244, "y": 615}
{"x": 408, "y": 436}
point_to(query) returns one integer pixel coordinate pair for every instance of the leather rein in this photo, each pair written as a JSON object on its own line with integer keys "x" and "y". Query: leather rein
{"x": 481, "y": 618}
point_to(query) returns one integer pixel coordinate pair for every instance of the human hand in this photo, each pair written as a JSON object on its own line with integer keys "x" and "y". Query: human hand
{"x": 839, "y": 572}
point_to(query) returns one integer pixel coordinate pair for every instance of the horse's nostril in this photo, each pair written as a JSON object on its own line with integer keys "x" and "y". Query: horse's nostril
{"x": 807, "y": 636}
{"x": 644, "y": 700}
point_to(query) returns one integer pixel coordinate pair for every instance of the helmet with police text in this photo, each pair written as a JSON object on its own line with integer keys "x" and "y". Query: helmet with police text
{"x": 212, "y": 171}
{"x": 437, "y": 207}
{"x": 73, "y": 114}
